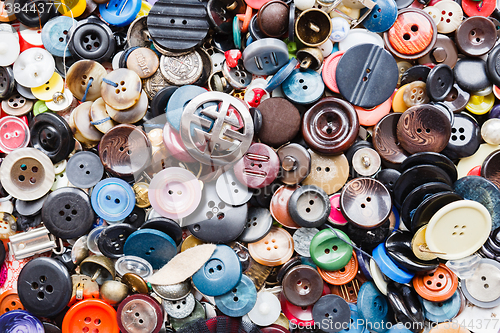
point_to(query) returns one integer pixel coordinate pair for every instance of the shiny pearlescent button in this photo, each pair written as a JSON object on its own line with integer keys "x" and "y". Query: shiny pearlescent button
{"x": 481, "y": 289}
{"x": 240, "y": 300}
{"x": 274, "y": 249}
{"x": 84, "y": 78}
{"x": 100, "y": 117}
{"x": 266, "y": 310}
{"x": 16, "y": 105}
{"x": 20, "y": 320}
{"x": 330, "y": 249}
{"x": 490, "y": 131}
{"x": 336, "y": 217}
{"x": 132, "y": 114}
{"x": 34, "y": 67}
{"x": 140, "y": 313}
{"x": 113, "y": 199}
{"x": 121, "y": 89}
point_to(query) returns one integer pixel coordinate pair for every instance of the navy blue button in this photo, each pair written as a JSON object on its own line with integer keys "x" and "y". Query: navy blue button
{"x": 239, "y": 301}
{"x": 20, "y": 321}
{"x": 382, "y": 16}
{"x": 442, "y": 311}
{"x": 154, "y": 246}
{"x": 388, "y": 267}
{"x": 120, "y": 12}
{"x": 113, "y": 199}
{"x": 364, "y": 264}
{"x": 355, "y": 325}
{"x": 303, "y": 87}
{"x": 373, "y": 308}
{"x": 54, "y": 35}
{"x": 220, "y": 274}
{"x": 281, "y": 75}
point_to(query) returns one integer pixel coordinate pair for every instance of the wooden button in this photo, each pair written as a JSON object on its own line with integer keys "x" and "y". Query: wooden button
{"x": 491, "y": 168}
{"x": 280, "y": 121}
{"x": 423, "y": 128}
{"x": 330, "y": 126}
{"x": 80, "y": 74}
{"x": 125, "y": 150}
{"x": 385, "y": 140}
{"x": 279, "y": 206}
{"x": 273, "y": 250}
{"x": 143, "y": 61}
{"x": 121, "y": 89}
{"x": 328, "y": 172}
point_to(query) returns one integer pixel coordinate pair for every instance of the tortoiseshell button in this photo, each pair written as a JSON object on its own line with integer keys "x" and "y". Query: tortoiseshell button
{"x": 385, "y": 140}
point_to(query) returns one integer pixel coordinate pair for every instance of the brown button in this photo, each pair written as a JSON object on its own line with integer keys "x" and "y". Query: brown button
{"x": 273, "y": 18}
{"x": 143, "y": 61}
{"x": 121, "y": 89}
{"x": 491, "y": 168}
{"x": 330, "y": 126}
{"x": 476, "y": 36}
{"x": 415, "y": 94}
{"x": 132, "y": 114}
{"x": 295, "y": 163}
{"x": 342, "y": 276}
{"x": 365, "y": 202}
{"x": 273, "y": 250}
{"x": 135, "y": 283}
{"x": 125, "y": 150}
{"x": 100, "y": 117}
{"x": 9, "y": 300}
{"x": 443, "y": 52}
{"x": 349, "y": 291}
{"x": 279, "y": 206}
{"x": 328, "y": 172}
{"x": 423, "y": 128}
{"x": 385, "y": 139}
{"x": 80, "y": 74}
{"x": 280, "y": 121}
{"x": 313, "y": 27}
{"x": 80, "y": 123}
{"x": 302, "y": 285}
{"x": 16, "y": 105}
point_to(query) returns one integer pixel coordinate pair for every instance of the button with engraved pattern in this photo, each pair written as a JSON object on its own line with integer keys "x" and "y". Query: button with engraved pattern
{"x": 143, "y": 61}
{"x": 181, "y": 70}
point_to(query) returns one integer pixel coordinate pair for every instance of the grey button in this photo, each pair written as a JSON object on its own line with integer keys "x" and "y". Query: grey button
{"x": 302, "y": 240}
{"x": 259, "y": 222}
{"x": 231, "y": 191}
{"x": 181, "y": 308}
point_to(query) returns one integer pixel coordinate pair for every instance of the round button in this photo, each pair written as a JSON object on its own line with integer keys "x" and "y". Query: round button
{"x": 168, "y": 226}
{"x": 179, "y": 309}
{"x": 373, "y": 307}
{"x": 46, "y": 91}
{"x": 259, "y": 166}
{"x": 385, "y": 139}
{"x": 332, "y": 320}
{"x": 388, "y": 267}
{"x": 415, "y": 94}
{"x": 279, "y": 206}
{"x": 472, "y": 9}
{"x": 302, "y": 240}
{"x": 91, "y": 39}
{"x": 274, "y": 249}
{"x": 84, "y": 169}
{"x": 143, "y": 61}
{"x": 220, "y": 274}
{"x": 121, "y": 89}
{"x": 296, "y": 314}
{"x": 132, "y": 114}
{"x": 278, "y": 114}
{"x": 34, "y": 67}
{"x": 191, "y": 70}
{"x": 113, "y": 199}
{"x": 139, "y": 313}
{"x": 490, "y": 131}
{"x": 273, "y": 18}
{"x": 51, "y": 134}
{"x": 302, "y": 285}
{"x": 480, "y": 104}
{"x": 9, "y": 301}
{"x": 490, "y": 169}
{"x": 451, "y": 234}
{"x": 152, "y": 245}
{"x": 478, "y": 82}
{"x": 328, "y": 172}
{"x": 133, "y": 265}
{"x": 112, "y": 239}
{"x": 303, "y": 87}
{"x": 239, "y": 301}
{"x": 342, "y": 276}
{"x": 481, "y": 288}
{"x": 84, "y": 79}
{"x": 14, "y": 134}
{"x": 9, "y": 48}
{"x": 452, "y": 16}
{"x": 442, "y": 311}
{"x": 120, "y": 13}
{"x": 20, "y": 321}
{"x": 17, "y": 105}
{"x": 44, "y": 286}
{"x": 336, "y": 216}
{"x": 309, "y": 206}
{"x": 267, "y": 309}
{"x": 476, "y": 36}
{"x": 259, "y": 223}
{"x": 88, "y": 315}
{"x": 329, "y": 249}
{"x": 295, "y": 163}
{"x": 436, "y": 286}
{"x": 330, "y": 69}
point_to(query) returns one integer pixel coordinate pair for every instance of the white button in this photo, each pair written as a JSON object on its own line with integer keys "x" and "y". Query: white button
{"x": 31, "y": 36}
{"x": 267, "y": 309}
{"x": 9, "y": 48}
{"x": 378, "y": 277}
{"x": 434, "y": 12}
{"x": 360, "y": 36}
{"x": 490, "y": 131}
{"x": 304, "y": 4}
{"x": 34, "y": 67}
{"x": 484, "y": 286}
{"x": 326, "y": 48}
{"x": 230, "y": 190}
{"x": 451, "y": 16}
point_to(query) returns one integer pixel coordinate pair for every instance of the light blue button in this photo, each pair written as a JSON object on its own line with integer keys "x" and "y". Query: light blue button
{"x": 54, "y": 34}
{"x": 113, "y": 199}
{"x": 388, "y": 267}
{"x": 303, "y": 87}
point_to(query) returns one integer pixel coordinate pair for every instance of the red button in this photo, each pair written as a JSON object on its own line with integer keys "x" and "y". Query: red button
{"x": 476, "y": 171}
{"x": 14, "y": 133}
{"x": 330, "y": 69}
{"x": 90, "y": 316}
{"x": 478, "y": 8}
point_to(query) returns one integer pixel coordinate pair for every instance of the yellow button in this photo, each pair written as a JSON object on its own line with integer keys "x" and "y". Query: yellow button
{"x": 419, "y": 246}
{"x": 46, "y": 91}
{"x": 398, "y": 103}
{"x": 71, "y": 8}
{"x": 145, "y": 8}
{"x": 190, "y": 242}
{"x": 480, "y": 104}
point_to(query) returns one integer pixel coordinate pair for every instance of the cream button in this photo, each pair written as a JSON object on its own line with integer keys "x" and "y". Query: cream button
{"x": 468, "y": 163}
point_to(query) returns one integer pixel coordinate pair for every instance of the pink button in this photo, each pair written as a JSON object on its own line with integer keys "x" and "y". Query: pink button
{"x": 330, "y": 69}
{"x": 496, "y": 92}
{"x": 336, "y": 216}
{"x": 174, "y": 192}
{"x": 372, "y": 116}
{"x": 174, "y": 145}
{"x": 256, "y": 4}
{"x": 259, "y": 167}
{"x": 14, "y": 133}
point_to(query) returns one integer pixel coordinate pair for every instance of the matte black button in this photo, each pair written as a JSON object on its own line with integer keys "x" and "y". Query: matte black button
{"x": 388, "y": 177}
{"x": 430, "y": 206}
{"x": 332, "y": 312}
{"x": 168, "y": 226}
{"x": 398, "y": 246}
{"x": 91, "y": 39}
{"x": 51, "y": 134}
{"x": 465, "y": 137}
{"x": 309, "y": 206}
{"x": 136, "y": 218}
{"x": 272, "y": 18}
{"x": 67, "y": 213}
{"x": 84, "y": 169}
{"x": 431, "y": 158}
{"x": 160, "y": 100}
{"x": 44, "y": 287}
{"x": 439, "y": 82}
{"x": 471, "y": 83}
{"x": 406, "y": 305}
{"x": 112, "y": 239}
{"x": 415, "y": 73}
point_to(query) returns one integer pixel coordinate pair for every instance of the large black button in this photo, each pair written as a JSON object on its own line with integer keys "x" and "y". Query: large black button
{"x": 309, "y": 206}
{"x": 168, "y": 226}
{"x": 406, "y": 305}
{"x": 465, "y": 137}
{"x": 112, "y": 239}
{"x": 431, "y": 158}
{"x": 439, "y": 82}
{"x": 462, "y": 72}
{"x": 399, "y": 248}
{"x": 7, "y": 82}
{"x": 91, "y": 39}
{"x": 44, "y": 287}
{"x": 67, "y": 213}
{"x": 84, "y": 169}
{"x": 493, "y": 65}
{"x": 415, "y": 73}
{"x": 51, "y": 134}
{"x": 34, "y": 13}
{"x": 388, "y": 177}
{"x": 426, "y": 210}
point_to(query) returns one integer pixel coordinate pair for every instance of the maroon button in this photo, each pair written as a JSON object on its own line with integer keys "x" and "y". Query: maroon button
{"x": 259, "y": 166}
{"x": 139, "y": 313}
{"x": 274, "y": 329}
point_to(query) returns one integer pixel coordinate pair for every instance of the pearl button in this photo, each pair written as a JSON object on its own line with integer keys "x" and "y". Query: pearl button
{"x": 490, "y": 131}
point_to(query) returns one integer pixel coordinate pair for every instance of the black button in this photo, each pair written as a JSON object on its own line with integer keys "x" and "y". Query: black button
{"x": 462, "y": 72}
{"x": 309, "y": 206}
{"x": 254, "y": 29}
{"x": 220, "y": 17}
{"x": 44, "y": 287}
{"x": 51, "y": 328}
{"x": 136, "y": 218}
{"x": 431, "y": 158}
{"x": 51, "y": 134}
{"x": 24, "y": 223}
{"x": 368, "y": 239}
{"x": 67, "y": 213}
{"x": 168, "y": 226}
{"x": 257, "y": 119}
{"x": 388, "y": 177}
{"x": 33, "y": 13}
{"x": 65, "y": 258}
{"x": 406, "y": 305}
{"x": 91, "y": 39}
{"x": 493, "y": 65}
{"x": 333, "y": 313}
{"x": 430, "y": 206}
{"x": 8, "y": 82}
{"x": 112, "y": 239}
{"x": 415, "y": 73}
{"x": 222, "y": 43}
{"x": 465, "y": 137}
{"x": 30, "y": 208}
{"x": 160, "y": 100}
{"x": 84, "y": 169}
{"x": 399, "y": 248}
{"x": 439, "y": 82}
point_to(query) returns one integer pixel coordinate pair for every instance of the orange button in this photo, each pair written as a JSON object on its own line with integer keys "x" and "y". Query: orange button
{"x": 10, "y": 301}
{"x": 343, "y": 275}
{"x": 449, "y": 328}
{"x": 370, "y": 117}
{"x": 93, "y": 316}
{"x": 349, "y": 291}
{"x": 437, "y": 286}
{"x": 279, "y": 206}
{"x": 273, "y": 250}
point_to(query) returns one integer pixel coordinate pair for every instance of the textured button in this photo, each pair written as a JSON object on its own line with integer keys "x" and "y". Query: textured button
{"x": 309, "y": 206}
{"x": 452, "y": 16}
{"x": 477, "y": 288}
{"x": 54, "y": 35}
{"x": 90, "y": 315}
{"x": 143, "y": 61}
{"x": 281, "y": 121}
{"x": 328, "y": 172}
{"x": 385, "y": 139}
{"x": 274, "y": 249}
{"x": 139, "y": 313}
{"x": 113, "y": 199}
{"x": 373, "y": 307}
{"x": 328, "y": 251}
{"x": 21, "y": 321}
{"x": 191, "y": 70}
{"x": 342, "y": 276}
{"x": 295, "y": 163}
{"x": 437, "y": 286}
{"x": 152, "y": 245}
{"x": 91, "y": 39}
{"x": 238, "y": 301}
{"x": 489, "y": 169}
{"x": 475, "y": 36}
{"x": 84, "y": 169}
{"x": 179, "y": 309}
{"x": 302, "y": 240}
{"x": 279, "y": 206}
{"x": 265, "y": 56}
{"x": 259, "y": 166}
{"x": 34, "y": 67}
{"x": 273, "y": 18}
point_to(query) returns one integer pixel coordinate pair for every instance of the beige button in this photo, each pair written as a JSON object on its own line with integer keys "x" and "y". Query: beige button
{"x": 121, "y": 89}
{"x": 143, "y": 61}
{"x": 468, "y": 163}
{"x": 398, "y": 102}
{"x": 419, "y": 246}
{"x": 458, "y": 229}
{"x": 16, "y": 105}
{"x": 130, "y": 115}
{"x": 83, "y": 130}
{"x": 366, "y": 162}
{"x": 403, "y": 66}
{"x": 378, "y": 277}
{"x": 273, "y": 250}
{"x": 328, "y": 172}
{"x": 79, "y": 75}
{"x": 452, "y": 17}
{"x": 415, "y": 94}
{"x": 100, "y": 117}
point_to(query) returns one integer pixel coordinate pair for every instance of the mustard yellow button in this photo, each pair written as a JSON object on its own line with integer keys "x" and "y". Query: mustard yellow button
{"x": 71, "y": 8}
{"x": 480, "y": 104}
{"x": 47, "y": 90}
{"x": 398, "y": 102}
{"x": 145, "y": 8}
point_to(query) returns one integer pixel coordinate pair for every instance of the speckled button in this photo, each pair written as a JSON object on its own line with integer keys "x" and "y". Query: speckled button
{"x": 278, "y": 114}
{"x": 274, "y": 249}
{"x": 121, "y": 88}
{"x": 84, "y": 78}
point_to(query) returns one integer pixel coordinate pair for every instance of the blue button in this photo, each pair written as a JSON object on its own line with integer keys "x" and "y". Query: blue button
{"x": 179, "y": 99}
{"x": 373, "y": 308}
{"x": 20, "y": 321}
{"x": 364, "y": 264}
{"x": 154, "y": 246}
{"x": 396, "y": 217}
{"x": 355, "y": 326}
{"x": 120, "y": 12}
{"x": 239, "y": 301}
{"x": 382, "y": 16}
{"x": 220, "y": 274}
{"x": 399, "y": 328}
{"x": 388, "y": 267}
{"x": 308, "y": 261}
{"x": 335, "y": 48}
{"x": 303, "y": 87}
{"x": 237, "y": 32}
{"x": 438, "y": 312}
{"x": 113, "y": 199}
{"x": 54, "y": 34}
{"x": 281, "y": 75}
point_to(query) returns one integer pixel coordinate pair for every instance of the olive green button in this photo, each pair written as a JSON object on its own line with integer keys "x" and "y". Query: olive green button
{"x": 328, "y": 251}
{"x": 39, "y": 107}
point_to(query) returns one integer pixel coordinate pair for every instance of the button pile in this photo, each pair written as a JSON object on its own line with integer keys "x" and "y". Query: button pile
{"x": 249, "y": 166}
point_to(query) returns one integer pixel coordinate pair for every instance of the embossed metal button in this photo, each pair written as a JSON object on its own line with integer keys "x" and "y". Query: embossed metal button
{"x": 181, "y": 70}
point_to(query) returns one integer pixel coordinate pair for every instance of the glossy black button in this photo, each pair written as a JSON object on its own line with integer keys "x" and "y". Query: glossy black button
{"x": 439, "y": 82}
{"x": 332, "y": 312}
{"x": 84, "y": 169}
{"x": 368, "y": 239}
{"x": 160, "y": 100}
{"x": 220, "y": 17}
{"x": 33, "y": 13}
{"x": 257, "y": 119}
{"x": 51, "y": 328}
{"x": 294, "y": 261}
{"x": 51, "y": 134}
{"x": 91, "y": 39}
{"x": 431, "y": 158}
{"x": 471, "y": 83}
{"x": 415, "y": 73}
{"x": 398, "y": 246}
{"x": 30, "y": 208}
{"x": 222, "y": 43}
{"x": 367, "y": 75}
{"x": 465, "y": 137}
{"x": 65, "y": 258}
{"x": 112, "y": 239}
{"x": 8, "y": 82}
{"x": 309, "y": 206}
{"x": 388, "y": 177}
{"x": 493, "y": 65}
{"x": 406, "y": 305}
{"x": 168, "y": 226}
{"x": 67, "y": 213}
{"x": 136, "y": 218}
{"x": 429, "y": 206}
{"x": 44, "y": 287}
{"x": 259, "y": 222}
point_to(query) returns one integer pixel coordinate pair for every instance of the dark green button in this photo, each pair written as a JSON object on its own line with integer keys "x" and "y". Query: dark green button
{"x": 328, "y": 251}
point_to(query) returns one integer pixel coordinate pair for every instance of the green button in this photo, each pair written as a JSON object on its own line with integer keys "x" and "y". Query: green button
{"x": 39, "y": 107}
{"x": 328, "y": 251}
